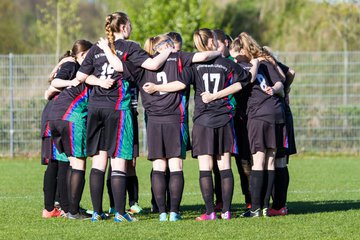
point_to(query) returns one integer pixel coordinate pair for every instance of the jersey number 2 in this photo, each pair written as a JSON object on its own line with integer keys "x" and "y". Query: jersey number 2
{"x": 162, "y": 78}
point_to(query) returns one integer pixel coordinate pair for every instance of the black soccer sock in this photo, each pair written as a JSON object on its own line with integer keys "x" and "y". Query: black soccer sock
{"x": 118, "y": 186}
{"x": 217, "y": 184}
{"x": 168, "y": 197}
{"x": 153, "y": 201}
{"x": 77, "y": 187}
{"x": 50, "y": 183}
{"x": 207, "y": 190}
{"x": 68, "y": 181}
{"x": 227, "y": 184}
{"x": 62, "y": 185}
{"x": 256, "y": 187}
{"x": 270, "y": 176}
{"x": 287, "y": 181}
{"x": 97, "y": 189}
{"x": 176, "y": 188}
{"x": 109, "y": 189}
{"x": 244, "y": 170}
{"x": 132, "y": 186}
{"x": 158, "y": 183}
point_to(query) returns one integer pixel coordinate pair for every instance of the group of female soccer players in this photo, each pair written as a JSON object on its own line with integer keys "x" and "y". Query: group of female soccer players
{"x": 241, "y": 109}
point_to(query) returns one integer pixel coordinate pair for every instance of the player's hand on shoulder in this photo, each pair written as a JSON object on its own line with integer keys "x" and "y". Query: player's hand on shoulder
{"x": 103, "y": 43}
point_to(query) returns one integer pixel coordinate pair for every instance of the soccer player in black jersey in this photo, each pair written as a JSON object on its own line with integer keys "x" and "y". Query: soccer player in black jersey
{"x": 68, "y": 118}
{"x": 110, "y": 126}
{"x": 213, "y": 81}
{"x": 167, "y": 129}
{"x": 265, "y": 121}
{"x": 281, "y": 183}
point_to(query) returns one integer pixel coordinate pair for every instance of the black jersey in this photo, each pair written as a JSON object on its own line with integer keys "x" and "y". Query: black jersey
{"x": 261, "y": 105}
{"x": 213, "y": 76}
{"x": 161, "y": 106}
{"x": 71, "y": 103}
{"x": 118, "y": 96}
{"x": 45, "y": 128}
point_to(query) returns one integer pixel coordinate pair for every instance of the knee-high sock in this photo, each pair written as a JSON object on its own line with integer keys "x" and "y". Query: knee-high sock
{"x": 62, "y": 185}
{"x": 50, "y": 182}
{"x": 176, "y": 188}
{"x": 77, "y": 187}
{"x": 269, "y": 176}
{"x": 207, "y": 190}
{"x": 118, "y": 186}
{"x": 256, "y": 187}
{"x": 109, "y": 190}
{"x": 158, "y": 184}
{"x": 217, "y": 184}
{"x": 227, "y": 187}
{"x": 97, "y": 189}
{"x": 132, "y": 186}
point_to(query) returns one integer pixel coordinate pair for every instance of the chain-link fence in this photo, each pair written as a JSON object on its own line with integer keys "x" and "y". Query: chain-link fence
{"x": 324, "y": 101}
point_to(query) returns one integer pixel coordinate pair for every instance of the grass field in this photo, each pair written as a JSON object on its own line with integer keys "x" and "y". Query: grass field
{"x": 324, "y": 203}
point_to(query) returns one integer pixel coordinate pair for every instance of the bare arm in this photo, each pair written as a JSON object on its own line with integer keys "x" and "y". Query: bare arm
{"x": 156, "y": 62}
{"x": 60, "y": 83}
{"x": 114, "y": 61}
{"x": 175, "y": 86}
{"x": 209, "y": 97}
{"x": 205, "y": 56}
{"x": 278, "y": 88}
{"x": 253, "y": 70}
{"x": 104, "y": 83}
{"x": 50, "y": 92}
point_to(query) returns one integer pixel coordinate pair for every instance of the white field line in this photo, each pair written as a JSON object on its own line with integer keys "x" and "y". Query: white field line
{"x": 198, "y": 193}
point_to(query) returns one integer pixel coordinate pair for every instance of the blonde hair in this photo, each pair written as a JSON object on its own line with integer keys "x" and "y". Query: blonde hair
{"x": 201, "y": 39}
{"x": 152, "y": 42}
{"x": 251, "y": 48}
{"x": 112, "y": 24}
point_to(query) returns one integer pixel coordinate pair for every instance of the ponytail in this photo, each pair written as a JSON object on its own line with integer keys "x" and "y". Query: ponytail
{"x": 109, "y": 33}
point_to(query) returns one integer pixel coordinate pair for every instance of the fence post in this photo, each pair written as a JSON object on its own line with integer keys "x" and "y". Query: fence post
{"x": 11, "y": 88}
{"x": 345, "y": 86}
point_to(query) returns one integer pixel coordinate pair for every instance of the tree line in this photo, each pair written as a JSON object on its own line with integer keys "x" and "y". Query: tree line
{"x": 51, "y": 26}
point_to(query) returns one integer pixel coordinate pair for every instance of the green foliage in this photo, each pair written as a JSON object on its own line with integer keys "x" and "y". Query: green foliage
{"x": 154, "y": 17}
{"x": 59, "y": 26}
{"x": 323, "y": 200}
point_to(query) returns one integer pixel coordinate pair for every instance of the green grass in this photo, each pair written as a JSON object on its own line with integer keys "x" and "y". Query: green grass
{"x": 324, "y": 203}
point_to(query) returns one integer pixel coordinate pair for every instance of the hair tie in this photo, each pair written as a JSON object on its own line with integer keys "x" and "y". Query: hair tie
{"x": 70, "y": 51}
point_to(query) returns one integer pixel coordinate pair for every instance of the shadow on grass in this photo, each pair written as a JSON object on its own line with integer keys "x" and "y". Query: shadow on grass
{"x": 322, "y": 206}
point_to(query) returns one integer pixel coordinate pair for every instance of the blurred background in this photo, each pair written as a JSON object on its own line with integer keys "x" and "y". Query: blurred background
{"x": 318, "y": 39}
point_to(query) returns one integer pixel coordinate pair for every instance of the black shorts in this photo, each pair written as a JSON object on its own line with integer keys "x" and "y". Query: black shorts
{"x": 281, "y": 140}
{"x": 69, "y": 137}
{"x": 46, "y": 150}
{"x": 262, "y": 135}
{"x": 165, "y": 140}
{"x": 212, "y": 141}
{"x": 111, "y": 131}
{"x": 242, "y": 139}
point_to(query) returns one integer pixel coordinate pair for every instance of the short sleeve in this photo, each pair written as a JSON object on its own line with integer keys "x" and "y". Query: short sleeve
{"x": 283, "y": 67}
{"x": 67, "y": 71}
{"x": 137, "y": 55}
{"x": 186, "y": 58}
{"x": 187, "y": 76}
{"x": 240, "y": 74}
{"x": 274, "y": 73}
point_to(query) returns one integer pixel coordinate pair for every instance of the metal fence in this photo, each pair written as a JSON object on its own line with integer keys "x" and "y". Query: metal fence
{"x": 324, "y": 100}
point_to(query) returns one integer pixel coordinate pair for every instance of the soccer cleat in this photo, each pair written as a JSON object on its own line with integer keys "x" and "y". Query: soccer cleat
{"x": 112, "y": 211}
{"x": 64, "y": 214}
{"x": 226, "y": 215}
{"x": 81, "y": 215}
{"x": 205, "y": 217}
{"x": 98, "y": 217}
{"x": 54, "y": 213}
{"x": 163, "y": 217}
{"x": 124, "y": 218}
{"x": 281, "y": 212}
{"x": 135, "y": 208}
{"x": 250, "y": 214}
{"x": 154, "y": 208}
{"x": 218, "y": 207}
{"x": 265, "y": 212}
{"x": 174, "y": 217}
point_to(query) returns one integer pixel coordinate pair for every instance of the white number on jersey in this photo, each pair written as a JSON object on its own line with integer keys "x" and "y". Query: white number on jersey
{"x": 262, "y": 81}
{"x": 161, "y": 77}
{"x": 107, "y": 71}
{"x": 212, "y": 77}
